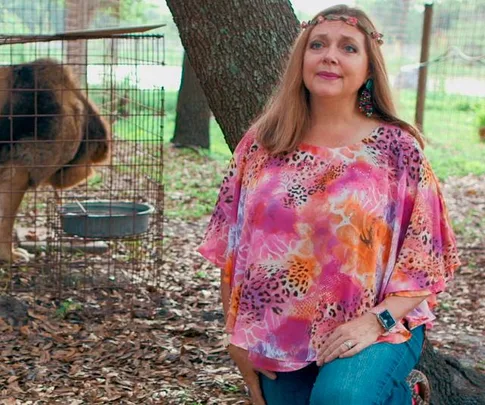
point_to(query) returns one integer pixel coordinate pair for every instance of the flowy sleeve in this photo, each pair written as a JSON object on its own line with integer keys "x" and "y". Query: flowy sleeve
{"x": 427, "y": 255}
{"x": 220, "y": 234}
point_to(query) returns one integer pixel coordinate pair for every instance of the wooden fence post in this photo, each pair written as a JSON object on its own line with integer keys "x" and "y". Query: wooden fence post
{"x": 423, "y": 70}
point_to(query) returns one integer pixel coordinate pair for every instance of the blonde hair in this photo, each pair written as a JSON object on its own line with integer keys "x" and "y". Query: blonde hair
{"x": 286, "y": 116}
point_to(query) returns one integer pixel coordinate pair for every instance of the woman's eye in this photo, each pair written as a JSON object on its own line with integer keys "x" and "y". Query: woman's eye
{"x": 350, "y": 48}
{"x": 316, "y": 45}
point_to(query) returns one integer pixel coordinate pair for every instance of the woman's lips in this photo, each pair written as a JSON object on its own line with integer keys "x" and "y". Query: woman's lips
{"x": 328, "y": 75}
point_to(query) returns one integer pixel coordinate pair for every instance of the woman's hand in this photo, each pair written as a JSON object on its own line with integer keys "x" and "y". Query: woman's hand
{"x": 249, "y": 373}
{"x": 350, "y": 338}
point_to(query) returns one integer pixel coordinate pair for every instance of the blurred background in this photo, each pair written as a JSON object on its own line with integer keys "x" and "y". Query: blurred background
{"x": 455, "y": 103}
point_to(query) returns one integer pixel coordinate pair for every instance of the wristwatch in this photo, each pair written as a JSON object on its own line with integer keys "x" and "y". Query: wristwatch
{"x": 385, "y": 318}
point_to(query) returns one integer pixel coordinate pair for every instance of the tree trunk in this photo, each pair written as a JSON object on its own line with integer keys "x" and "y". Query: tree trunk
{"x": 193, "y": 113}
{"x": 78, "y": 17}
{"x": 235, "y": 47}
{"x": 451, "y": 384}
{"x": 221, "y": 37}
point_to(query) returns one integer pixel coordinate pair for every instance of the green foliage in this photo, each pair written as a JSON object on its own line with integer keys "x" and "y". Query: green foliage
{"x": 201, "y": 274}
{"x": 192, "y": 180}
{"x": 470, "y": 226}
{"x": 68, "y": 306}
{"x": 219, "y": 149}
{"x": 230, "y": 388}
{"x": 455, "y": 152}
{"x": 451, "y": 17}
{"x": 481, "y": 117}
{"x": 134, "y": 12}
{"x": 384, "y": 12}
{"x": 47, "y": 17}
{"x": 464, "y": 106}
{"x": 95, "y": 181}
{"x": 31, "y": 17}
{"x": 142, "y": 105}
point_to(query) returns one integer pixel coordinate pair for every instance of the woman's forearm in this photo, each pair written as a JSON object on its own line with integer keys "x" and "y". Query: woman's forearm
{"x": 399, "y": 307}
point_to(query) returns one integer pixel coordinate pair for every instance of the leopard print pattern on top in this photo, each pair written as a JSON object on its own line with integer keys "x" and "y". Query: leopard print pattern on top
{"x": 270, "y": 287}
{"x": 314, "y": 238}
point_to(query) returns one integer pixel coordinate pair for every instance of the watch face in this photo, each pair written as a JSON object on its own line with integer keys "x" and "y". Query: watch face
{"x": 387, "y": 320}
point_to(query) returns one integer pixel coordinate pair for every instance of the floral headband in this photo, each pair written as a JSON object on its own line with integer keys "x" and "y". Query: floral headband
{"x": 353, "y": 21}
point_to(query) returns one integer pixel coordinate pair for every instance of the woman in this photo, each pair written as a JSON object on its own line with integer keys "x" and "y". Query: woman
{"x": 330, "y": 230}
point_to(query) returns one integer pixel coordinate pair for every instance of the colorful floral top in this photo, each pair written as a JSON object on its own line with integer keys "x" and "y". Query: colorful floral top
{"x": 311, "y": 239}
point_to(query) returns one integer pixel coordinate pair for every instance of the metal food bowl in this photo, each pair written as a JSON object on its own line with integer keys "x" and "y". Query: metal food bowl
{"x": 105, "y": 219}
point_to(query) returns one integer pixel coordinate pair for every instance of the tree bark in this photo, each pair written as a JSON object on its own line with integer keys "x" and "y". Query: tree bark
{"x": 193, "y": 113}
{"x": 235, "y": 47}
{"x": 451, "y": 383}
{"x": 78, "y": 17}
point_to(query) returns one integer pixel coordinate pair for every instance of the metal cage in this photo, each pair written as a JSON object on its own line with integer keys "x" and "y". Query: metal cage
{"x": 104, "y": 234}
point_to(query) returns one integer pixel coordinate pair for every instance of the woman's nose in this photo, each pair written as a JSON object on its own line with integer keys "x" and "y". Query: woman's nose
{"x": 330, "y": 56}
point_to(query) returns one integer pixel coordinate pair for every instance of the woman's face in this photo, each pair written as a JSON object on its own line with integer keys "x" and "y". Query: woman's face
{"x": 335, "y": 63}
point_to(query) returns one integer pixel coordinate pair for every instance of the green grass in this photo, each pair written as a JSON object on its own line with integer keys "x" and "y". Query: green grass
{"x": 454, "y": 147}
{"x": 191, "y": 183}
{"x": 219, "y": 149}
{"x": 66, "y": 307}
{"x": 129, "y": 128}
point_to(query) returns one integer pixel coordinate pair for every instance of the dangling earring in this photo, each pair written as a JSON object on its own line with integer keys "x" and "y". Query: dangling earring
{"x": 365, "y": 99}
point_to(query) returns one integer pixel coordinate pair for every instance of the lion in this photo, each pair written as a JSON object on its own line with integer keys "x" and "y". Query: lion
{"x": 50, "y": 134}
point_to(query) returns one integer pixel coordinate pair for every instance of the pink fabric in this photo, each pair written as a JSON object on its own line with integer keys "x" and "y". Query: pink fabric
{"x": 315, "y": 238}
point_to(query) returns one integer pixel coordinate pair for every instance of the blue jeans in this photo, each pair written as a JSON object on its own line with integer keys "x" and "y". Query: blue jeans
{"x": 376, "y": 375}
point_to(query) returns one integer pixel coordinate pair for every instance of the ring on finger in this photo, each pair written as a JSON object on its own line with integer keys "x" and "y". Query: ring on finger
{"x": 348, "y": 344}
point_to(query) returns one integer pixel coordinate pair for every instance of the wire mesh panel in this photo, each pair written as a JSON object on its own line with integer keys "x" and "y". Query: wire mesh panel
{"x": 83, "y": 157}
{"x": 33, "y": 17}
{"x": 455, "y": 95}
{"x": 52, "y": 16}
{"x": 456, "y": 81}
